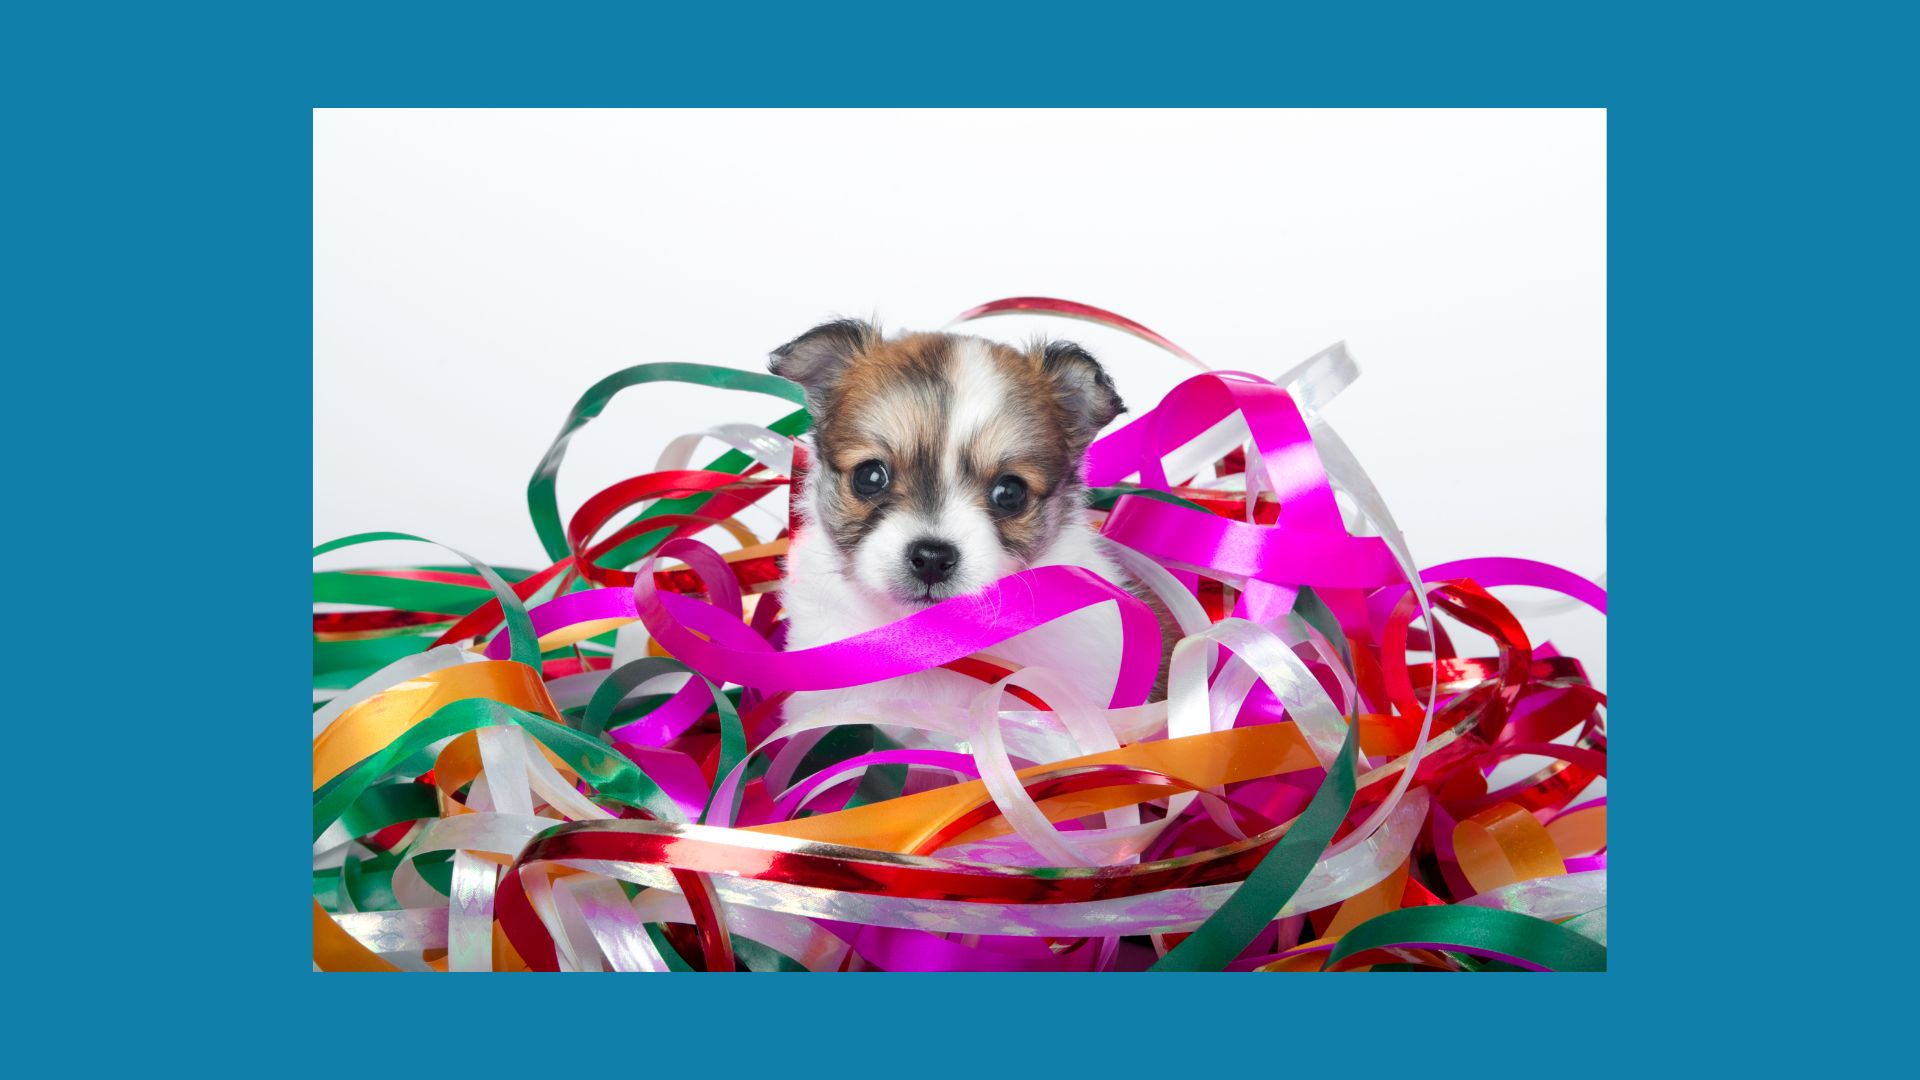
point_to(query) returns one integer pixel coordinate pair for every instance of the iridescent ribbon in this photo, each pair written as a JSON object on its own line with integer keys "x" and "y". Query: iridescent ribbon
{"x": 1301, "y": 763}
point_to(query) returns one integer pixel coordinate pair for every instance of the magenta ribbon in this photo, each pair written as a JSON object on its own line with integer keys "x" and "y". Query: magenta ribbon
{"x": 666, "y": 722}
{"x": 1285, "y": 449}
{"x": 674, "y": 772}
{"x": 915, "y": 950}
{"x": 1358, "y": 576}
{"x": 937, "y": 635}
{"x": 731, "y": 652}
{"x": 1196, "y": 540}
{"x": 1313, "y": 548}
{"x": 1272, "y": 562}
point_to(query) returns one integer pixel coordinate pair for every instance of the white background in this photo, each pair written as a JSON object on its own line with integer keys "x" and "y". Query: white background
{"x": 475, "y": 271}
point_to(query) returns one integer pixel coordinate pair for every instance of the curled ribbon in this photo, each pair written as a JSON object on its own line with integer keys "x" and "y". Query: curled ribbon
{"x": 609, "y": 782}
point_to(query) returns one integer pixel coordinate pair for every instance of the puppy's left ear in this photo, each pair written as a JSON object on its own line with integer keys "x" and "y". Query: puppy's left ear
{"x": 1082, "y": 388}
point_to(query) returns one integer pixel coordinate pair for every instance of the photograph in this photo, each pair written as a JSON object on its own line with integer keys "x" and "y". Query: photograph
{"x": 960, "y": 540}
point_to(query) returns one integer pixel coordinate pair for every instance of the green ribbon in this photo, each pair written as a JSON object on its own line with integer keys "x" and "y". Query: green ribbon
{"x": 1103, "y": 498}
{"x": 1509, "y": 933}
{"x": 338, "y": 665}
{"x": 733, "y": 461}
{"x": 606, "y": 769}
{"x": 622, "y": 681}
{"x": 363, "y": 805}
{"x": 880, "y": 782}
{"x": 757, "y": 957}
{"x": 368, "y": 883}
{"x": 675, "y": 962}
{"x": 1319, "y": 616}
{"x": 544, "y": 505}
{"x": 390, "y": 804}
{"x": 1258, "y": 900}
{"x": 840, "y": 742}
{"x": 751, "y": 954}
{"x": 526, "y": 644}
{"x": 375, "y": 590}
{"x": 436, "y": 869}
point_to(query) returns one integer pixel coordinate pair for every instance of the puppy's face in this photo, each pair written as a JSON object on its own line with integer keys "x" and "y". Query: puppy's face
{"x": 943, "y": 462}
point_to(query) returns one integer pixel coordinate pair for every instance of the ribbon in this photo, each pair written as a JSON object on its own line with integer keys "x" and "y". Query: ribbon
{"x": 609, "y": 783}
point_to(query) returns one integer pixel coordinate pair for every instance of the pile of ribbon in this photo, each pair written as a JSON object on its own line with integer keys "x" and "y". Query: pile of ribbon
{"x": 586, "y": 767}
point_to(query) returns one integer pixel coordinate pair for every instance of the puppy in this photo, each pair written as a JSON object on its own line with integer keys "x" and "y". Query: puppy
{"x": 940, "y": 464}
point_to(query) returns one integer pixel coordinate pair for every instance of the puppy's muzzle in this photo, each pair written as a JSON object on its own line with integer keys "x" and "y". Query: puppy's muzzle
{"x": 932, "y": 560}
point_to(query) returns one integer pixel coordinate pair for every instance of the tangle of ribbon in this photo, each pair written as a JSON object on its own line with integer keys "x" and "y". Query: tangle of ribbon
{"x": 585, "y": 766}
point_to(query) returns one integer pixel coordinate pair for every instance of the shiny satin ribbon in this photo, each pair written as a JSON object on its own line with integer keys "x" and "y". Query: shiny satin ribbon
{"x": 950, "y": 630}
{"x": 853, "y": 887}
{"x": 1072, "y": 309}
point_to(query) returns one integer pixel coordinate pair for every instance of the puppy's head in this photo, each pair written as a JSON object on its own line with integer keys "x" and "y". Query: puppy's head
{"x": 942, "y": 462}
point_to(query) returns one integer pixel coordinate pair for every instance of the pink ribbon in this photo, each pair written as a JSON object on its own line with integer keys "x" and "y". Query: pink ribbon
{"x": 915, "y": 950}
{"x": 1195, "y": 540}
{"x": 722, "y": 647}
{"x": 1286, "y": 459}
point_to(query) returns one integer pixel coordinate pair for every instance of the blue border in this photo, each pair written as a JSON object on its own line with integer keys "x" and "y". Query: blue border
{"x": 165, "y": 158}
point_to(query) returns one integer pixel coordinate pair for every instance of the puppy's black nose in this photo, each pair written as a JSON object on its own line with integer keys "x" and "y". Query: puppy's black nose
{"x": 932, "y": 560}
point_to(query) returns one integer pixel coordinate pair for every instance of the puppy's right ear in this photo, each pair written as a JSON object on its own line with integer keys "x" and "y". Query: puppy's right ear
{"x": 817, "y": 358}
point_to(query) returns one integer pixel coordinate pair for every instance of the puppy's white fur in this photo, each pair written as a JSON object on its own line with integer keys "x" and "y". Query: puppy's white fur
{"x": 821, "y": 608}
{"x": 829, "y": 596}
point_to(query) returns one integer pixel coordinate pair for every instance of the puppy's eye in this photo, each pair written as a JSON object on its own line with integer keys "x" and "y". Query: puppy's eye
{"x": 871, "y": 478}
{"x": 1009, "y": 495}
